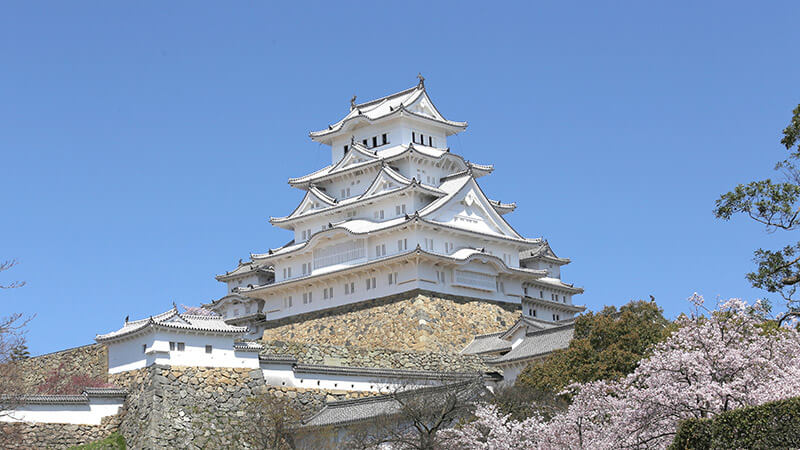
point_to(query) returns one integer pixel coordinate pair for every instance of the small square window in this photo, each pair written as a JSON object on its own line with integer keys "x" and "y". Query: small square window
{"x": 208, "y": 349}
{"x": 181, "y": 346}
{"x": 172, "y": 346}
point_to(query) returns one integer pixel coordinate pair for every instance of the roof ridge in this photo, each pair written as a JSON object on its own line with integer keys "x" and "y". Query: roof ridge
{"x": 387, "y": 97}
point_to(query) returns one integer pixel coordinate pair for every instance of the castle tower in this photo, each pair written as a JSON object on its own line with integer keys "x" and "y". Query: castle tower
{"x": 394, "y": 212}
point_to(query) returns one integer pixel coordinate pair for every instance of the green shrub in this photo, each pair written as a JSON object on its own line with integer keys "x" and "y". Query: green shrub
{"x": 114, "y": 441}
{"x": 773, "y": 425}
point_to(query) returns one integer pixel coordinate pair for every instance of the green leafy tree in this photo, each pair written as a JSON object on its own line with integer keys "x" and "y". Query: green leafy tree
{"x": 776, "y": 206}
{"x": 606, "y": 345}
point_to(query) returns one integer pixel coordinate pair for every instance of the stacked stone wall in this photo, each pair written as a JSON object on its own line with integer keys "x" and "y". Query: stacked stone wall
{"x": 416, "y": 320}
{"x": 90, "y": 360}
{"x": 55, "y": 435}
{"x": 339, "y": 355}
{"x": 175, "y": 407}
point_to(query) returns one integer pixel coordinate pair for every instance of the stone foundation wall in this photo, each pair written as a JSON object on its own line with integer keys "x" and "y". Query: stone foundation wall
{"x": 339, "y": 355}
{"x": 416, "y": 320}
{"x": 54, "y": 435}
{"x": 175, "y": 407}
{"x": 91, "y": 360}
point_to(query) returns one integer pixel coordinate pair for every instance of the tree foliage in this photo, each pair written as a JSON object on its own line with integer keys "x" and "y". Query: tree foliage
{"x": 775, "y": 205}
{"x": 771, "y": 425}
{"x": 12, "y": 347}
{"x": 709, "y": 365}
{"x": 606, "y": 345}
{"x": 421, "y": 418}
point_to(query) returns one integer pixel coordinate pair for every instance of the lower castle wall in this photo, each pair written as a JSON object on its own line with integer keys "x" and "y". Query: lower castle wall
{"x": 175, "y": 407}
{"x": 339, "y": 355}
{"x": 90, "y": 360}
{"x": 54, "y": 435}
{"x": 417, "y": 320}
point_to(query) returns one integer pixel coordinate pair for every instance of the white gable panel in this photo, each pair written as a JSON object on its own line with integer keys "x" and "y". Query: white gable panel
{"x": 387, "y": 180}
{"x": 470, "y": 209}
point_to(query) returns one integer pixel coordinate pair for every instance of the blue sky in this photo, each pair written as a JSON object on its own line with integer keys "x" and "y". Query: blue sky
{"x": 144, "y": 145}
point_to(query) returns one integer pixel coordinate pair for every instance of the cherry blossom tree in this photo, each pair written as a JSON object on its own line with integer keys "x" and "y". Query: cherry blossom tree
{"x": 729, "y": 359}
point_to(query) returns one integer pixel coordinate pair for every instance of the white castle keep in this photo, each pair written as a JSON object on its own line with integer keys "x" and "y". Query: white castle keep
{"x": 395, "y": 211}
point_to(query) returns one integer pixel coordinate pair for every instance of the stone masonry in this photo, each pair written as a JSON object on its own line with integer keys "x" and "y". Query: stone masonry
{"x": 90, "y": 360}
{"x": 419, "y": 320}
{"x": 339, "y": 355}
{"x": 54, "y": 435}
{"x": 175, "y": 407}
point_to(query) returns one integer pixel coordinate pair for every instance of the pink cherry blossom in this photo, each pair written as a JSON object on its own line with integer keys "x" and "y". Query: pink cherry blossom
{"x": 712, "y": 364}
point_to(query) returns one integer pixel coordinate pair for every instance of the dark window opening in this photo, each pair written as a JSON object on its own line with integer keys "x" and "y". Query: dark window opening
{"x": 208, "y": 349}
{"x": 364, "y": 142}
{"x": 413, "y": 137}
{"x": 430, "y": 141}
{"x": 345, "y": 148}
{"x": 374, "y": 141}
{"x": 385, "y": 139}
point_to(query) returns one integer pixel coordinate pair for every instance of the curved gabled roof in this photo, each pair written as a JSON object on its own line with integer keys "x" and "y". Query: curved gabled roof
{"x": 543, "y": 252}
{"x": 244, "y": 268}
{"x": 386, "y": 173}
{"x": 463, "y": 256}
{"x": 503, "y": 208}
{"x": 173, "y": 320}
{"x": 362, "y": 226}
{"x": 397, "y": 104}
{"x": 538, "y": 343}
{"x": 388, "y": 155}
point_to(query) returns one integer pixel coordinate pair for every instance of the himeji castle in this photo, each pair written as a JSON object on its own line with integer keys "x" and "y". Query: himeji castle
{"x": 395, "y": 211}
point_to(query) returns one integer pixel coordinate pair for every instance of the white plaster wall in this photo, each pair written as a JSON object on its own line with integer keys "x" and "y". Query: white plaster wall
{"x": 127, "y": 355}
{"x": 222, "y": 353}
{"x": 283, "y": 375}
{"x": 90, "y": 414}
{"x": 398, "y": 130}
{"x": 410, "y": 276}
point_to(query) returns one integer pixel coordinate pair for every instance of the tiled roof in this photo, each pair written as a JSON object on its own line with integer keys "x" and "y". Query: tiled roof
{"x": 172, "y": 319}
{"x": 364, "y": 409}
{"x": 542, "y": 252}
{"x": 278, "y": 359}
{"x": 403, "y": 184}
{"x": 63, "y": 399}
{"x": 388, "y": 155}
{"x": 382, "y": 372}
{"x": 486, "y": 343}
{"x": 244, "y": 268}
{"x": 538, "y": 343}
{"x": 248, "y": 346}
{"x": 105, "y": 391}
{"x": 387, "y": 106}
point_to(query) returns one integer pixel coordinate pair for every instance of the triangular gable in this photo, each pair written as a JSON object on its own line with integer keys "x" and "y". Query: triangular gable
{"x": 355, "y": 154}
{"x": 386, "y": 180}
{"x": 313, "y": 200}
{"x": 423, "y": 105}
{"x": 176, "y": 319}
{"x": 469, "y": 208}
